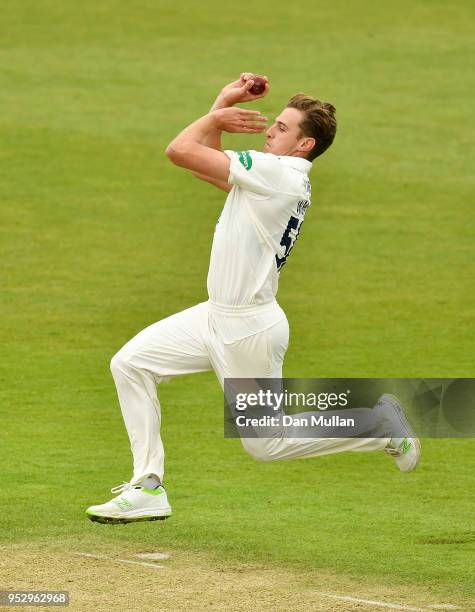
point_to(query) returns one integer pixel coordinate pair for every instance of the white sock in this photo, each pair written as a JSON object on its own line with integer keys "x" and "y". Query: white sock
{"x": 151, "y": 482}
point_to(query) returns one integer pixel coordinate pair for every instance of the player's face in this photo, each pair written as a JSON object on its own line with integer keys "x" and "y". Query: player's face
{"x": 284, "y": 136}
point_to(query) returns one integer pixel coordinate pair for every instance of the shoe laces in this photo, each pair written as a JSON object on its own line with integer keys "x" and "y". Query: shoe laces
{"x": 125, "y": 486}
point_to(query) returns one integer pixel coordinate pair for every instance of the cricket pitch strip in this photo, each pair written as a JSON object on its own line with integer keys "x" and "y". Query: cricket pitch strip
{"x": 124, "y": 577}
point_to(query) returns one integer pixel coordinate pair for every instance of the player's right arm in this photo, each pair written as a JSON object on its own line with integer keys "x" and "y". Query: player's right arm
{"x": 237, "y": 91}
{"x": 188, "y": 151}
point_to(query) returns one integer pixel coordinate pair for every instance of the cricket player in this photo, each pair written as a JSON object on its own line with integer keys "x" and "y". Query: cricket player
{"x": 240, "y": 331}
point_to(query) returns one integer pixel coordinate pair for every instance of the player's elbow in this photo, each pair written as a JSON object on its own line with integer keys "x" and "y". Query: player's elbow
{"x": 171, "y": 153}
{"x": 175, "y": 154}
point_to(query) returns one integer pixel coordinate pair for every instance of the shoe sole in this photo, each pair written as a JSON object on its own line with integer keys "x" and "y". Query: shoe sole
{"x": 406, "y": 424}
{"x": 109, "y": 520}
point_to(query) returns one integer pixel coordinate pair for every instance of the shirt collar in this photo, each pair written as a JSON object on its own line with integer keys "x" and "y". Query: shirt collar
{"x": 299, "y": 163}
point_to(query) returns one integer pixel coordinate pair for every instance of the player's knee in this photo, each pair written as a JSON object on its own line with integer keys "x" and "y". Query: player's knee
{"x": 119, "y": 363}
{"x": 258, "y": 449}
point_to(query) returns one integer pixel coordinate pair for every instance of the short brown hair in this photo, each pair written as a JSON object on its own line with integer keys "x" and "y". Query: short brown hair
{"x": 319, "y": 122}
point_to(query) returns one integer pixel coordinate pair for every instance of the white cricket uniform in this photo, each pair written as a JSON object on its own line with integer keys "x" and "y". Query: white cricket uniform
{"x": 241, "y": 331}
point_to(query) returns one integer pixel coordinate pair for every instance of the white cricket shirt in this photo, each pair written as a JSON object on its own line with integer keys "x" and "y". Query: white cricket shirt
{"x": 257, "y": 229}
{"x": 258, "y": 226}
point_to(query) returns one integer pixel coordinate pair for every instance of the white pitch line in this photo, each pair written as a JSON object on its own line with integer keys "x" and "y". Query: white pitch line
{"x": 106, "y": 558}
{"x": 372, "y": 602}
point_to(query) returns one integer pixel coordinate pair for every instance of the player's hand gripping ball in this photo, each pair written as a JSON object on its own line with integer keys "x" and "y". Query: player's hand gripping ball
{"x": 258, "y": 87}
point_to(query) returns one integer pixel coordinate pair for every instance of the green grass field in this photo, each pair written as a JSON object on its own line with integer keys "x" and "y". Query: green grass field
{"x": 101, "y": 236}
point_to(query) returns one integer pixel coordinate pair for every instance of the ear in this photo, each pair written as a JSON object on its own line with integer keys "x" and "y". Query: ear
{"x": 306, "y": 145}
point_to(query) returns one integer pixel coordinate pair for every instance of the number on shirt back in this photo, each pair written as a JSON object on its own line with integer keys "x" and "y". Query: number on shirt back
{"x": 288, "y": 240}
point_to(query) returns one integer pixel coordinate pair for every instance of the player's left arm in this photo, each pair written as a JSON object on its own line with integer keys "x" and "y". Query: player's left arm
{"x": 188, "y": 151}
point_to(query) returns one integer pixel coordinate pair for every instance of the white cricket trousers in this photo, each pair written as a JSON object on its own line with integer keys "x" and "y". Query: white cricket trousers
{"x": 191, "y": 341}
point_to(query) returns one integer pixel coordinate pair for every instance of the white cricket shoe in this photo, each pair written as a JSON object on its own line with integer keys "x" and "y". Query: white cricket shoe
{"x": 404, "y": 447}
{"x": 135, "y": 503}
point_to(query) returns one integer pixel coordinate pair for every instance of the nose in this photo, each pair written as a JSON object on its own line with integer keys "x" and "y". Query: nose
{"x": 269, "y": 132}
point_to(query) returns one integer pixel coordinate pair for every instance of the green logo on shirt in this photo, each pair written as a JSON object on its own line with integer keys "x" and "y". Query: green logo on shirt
{"x": 245, "y": 159}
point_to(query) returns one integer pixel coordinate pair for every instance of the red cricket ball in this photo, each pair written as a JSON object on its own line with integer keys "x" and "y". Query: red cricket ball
{"x": 259, "y": 86}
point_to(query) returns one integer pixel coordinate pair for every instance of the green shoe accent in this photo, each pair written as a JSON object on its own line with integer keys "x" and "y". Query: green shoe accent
{"x": 157, "y": 491}
{"x": 405, "y": 446}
